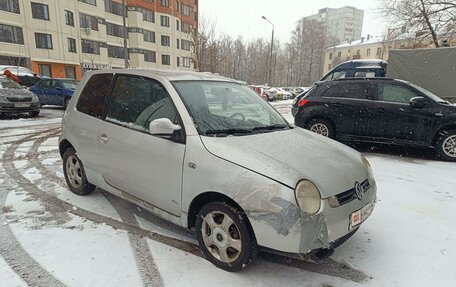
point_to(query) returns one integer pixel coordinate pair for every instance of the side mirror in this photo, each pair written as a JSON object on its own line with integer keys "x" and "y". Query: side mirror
{"x": 418, "y": 102}
{"x": 163, "y": 127}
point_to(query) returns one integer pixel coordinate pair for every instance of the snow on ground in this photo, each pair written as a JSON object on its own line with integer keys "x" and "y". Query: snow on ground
{"x": 48, "y": 236}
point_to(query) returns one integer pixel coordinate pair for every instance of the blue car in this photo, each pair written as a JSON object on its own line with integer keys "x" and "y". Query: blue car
{"x": 56, "y": 92}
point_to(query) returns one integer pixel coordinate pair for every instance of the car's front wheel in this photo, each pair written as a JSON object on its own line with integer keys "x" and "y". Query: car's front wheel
{"x": 225, "y": 237}
{"x": 446, "y": 145}
{"x": 321, "y": 127}
{"x": 75, "y": 175}
{"x": 34, "y": 113}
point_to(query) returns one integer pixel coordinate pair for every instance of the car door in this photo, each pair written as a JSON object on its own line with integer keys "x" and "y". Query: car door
{"x": 351, "y": 109}
{"x": 395, "y": 119}
{"x": 132, "y": 160}
{"x": 53, "y": 93}
{"x": 40, "y": 90}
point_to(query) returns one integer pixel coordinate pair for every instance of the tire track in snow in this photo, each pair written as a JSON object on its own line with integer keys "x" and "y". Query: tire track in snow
{"x": 145, "y": 263}
{"x": 27, "y": 268}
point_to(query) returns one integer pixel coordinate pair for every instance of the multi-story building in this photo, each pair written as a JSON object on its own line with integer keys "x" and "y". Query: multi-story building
{"x": 342, "y": 24}
{"x": 63, "y": 38}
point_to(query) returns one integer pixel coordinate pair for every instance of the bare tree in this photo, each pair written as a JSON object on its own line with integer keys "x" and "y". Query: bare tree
{"x": 422, "y": 20}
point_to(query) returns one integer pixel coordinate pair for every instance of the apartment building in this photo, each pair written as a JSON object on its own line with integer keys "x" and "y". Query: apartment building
{"x": 342, "y": 24}
{"x": 64, "y": 38}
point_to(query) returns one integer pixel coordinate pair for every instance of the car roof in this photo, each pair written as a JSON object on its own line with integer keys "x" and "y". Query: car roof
{"x": 357, "y": 80}
{"x": 171, "y": 75}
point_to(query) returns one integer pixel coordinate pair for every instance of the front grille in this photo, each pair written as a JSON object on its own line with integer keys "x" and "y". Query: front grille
{"x": 19, "y": 99}
{"x": 350, "y": 195}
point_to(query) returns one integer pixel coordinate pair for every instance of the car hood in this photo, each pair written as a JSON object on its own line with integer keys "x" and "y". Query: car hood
{"x": 15, "y": 93}
{"x": 291, "y": 155}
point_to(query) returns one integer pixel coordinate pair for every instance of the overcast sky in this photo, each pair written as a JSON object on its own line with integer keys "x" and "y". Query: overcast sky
{"x": 243, "y": 17}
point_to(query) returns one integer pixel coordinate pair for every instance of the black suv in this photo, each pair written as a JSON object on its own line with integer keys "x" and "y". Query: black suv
{"x": 380, "y": 110}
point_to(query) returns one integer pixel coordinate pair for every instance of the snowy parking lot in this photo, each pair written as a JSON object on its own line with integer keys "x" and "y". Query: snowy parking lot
{"x": 51, "y": 237}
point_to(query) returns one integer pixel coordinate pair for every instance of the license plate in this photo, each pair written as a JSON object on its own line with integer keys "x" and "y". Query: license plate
{"x": 22, "y": 105}
{"x": 357, "y": 217}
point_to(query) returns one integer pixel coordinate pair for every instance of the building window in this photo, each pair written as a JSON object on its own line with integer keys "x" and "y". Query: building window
{"x": 90, "y": 47}
{"x": 87, "y": 21}
{"x": 114, "y": 7}
{"x": 148, "y": 15}
{"x": 43, "y": 41}
{"x": 45, "y": 70}
{"x": 164, "y": 21}
{"x": 166, "y": 60}
{"x": 165, "y": 41}
{"x": 91, "y": 2}
{"x": 149, "y": 56}
{"x": 149, "y": 36}
{"x": 115, "y": 52}
{"x": 186, "y": 27}
{"x": 330, "y": 56}
{"x": 71, "y": 45}
{"x": 186, "y": 62}
{"x": 11, "y": 34}
{"x": 177, "y": 44}
{"x": 358, "y": 52}
{"x": 177, "y": 6}
{"x": 10, "y": 6}
{"x": 164, "y": 3}
{"x": 379, "y": 52}
{"x": 186, "y": 45}
{"x": 115, "y": 30}
{"x": 69, "y": 18}
{"x": 40, "y": 11}
{"x": 177, "y": 25}
{"x": 178, "y": 61}
{"x": 368, "y": 52}
{"x": 70, "y": 72}
{"x": 339, "y": 54}
{"x": 186, "y": 10}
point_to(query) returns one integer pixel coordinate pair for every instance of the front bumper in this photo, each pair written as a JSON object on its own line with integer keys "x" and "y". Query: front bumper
{"x": 14, "y": 108}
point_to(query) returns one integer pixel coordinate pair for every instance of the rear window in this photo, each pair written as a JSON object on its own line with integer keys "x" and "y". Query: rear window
{"x": 92, "y": 98}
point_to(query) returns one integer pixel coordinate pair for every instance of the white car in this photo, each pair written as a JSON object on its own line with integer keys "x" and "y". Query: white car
{"x": 17, "y": 70}
{"x": 221, "y": 167}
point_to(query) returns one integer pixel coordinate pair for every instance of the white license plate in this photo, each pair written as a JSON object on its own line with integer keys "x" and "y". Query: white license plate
{"x": 357, "y": 217}
{"x": 22, "y": 105}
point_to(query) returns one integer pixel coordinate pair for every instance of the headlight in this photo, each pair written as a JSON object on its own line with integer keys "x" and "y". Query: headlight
{"x": 308, "y": 196}
{"x": 35, "y": 97}
{"x": 370, "y": 174}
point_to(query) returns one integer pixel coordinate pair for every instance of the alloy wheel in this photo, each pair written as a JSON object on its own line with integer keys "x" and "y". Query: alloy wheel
{"x": 221, "y": 236}
{"x": 320, "y": 129}
{"x": 449, "y": 146}
{"x": 74, "y": 171}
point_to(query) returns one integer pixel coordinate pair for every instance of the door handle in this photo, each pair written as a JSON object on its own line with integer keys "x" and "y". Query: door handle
{"x": 103, "y": 138}
{"x": 336, "y": 104}
{"x": 381, "y": 110}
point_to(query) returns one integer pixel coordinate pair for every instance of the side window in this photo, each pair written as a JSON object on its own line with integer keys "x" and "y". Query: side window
{"x": 92, "y": 98}
{"x": 394, "y": 93}
{"x": 52, "y": 84}
{"x": 137, "y": 101}
{"x": 364, "y": 74}
{"x": 354, "y": 91}
{"x": 338, "y": 75}
{"x": 44, "y": 84}
{"x": 331, "y": 91}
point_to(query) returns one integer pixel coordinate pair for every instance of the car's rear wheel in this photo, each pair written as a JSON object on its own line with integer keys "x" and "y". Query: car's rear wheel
{"x": 75, "y": 175}
{"x": 321, "y": 127}
{"x": 446, "y": 145}
{"x": 34, "y": 113}
{"x": 225, "y": 237}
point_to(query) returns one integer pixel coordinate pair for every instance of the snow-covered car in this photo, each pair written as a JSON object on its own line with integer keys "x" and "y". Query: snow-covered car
{"x": 271, "y": 94}
{"x": 283, "y": 95}
{"x": 152, "y": 138}
{"x": 14, "y": 99}
{"x": 17, "y": 70}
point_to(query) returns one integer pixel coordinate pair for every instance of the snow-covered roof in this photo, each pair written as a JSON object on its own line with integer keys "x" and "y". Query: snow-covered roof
{"x": 372, "y": 40}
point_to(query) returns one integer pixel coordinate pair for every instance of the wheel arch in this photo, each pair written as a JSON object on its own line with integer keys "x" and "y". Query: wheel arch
{"x": 63, "y": 146}
{"x": 440, "y": 131}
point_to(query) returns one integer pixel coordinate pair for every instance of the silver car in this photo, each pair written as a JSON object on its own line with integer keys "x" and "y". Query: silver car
{"x": 15, "y": 99}
{"x": 190, "y": 148}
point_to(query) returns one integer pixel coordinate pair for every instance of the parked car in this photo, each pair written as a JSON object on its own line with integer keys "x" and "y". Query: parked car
{"x": 151, "y": 137}
{"x": 26, "y": 76}
{"x": 14, "y": 99}
{"x": 55, "y": 91}
{"x": 283, "y": 95}
{"x": 350, "y": 69}
{"x": 271, "y": 94}
{"x": 380, "y": 110}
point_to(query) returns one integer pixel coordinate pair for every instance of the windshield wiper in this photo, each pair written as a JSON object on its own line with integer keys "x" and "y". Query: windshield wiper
{"x": 271, "y": 127}
{"x": 228, "y": 131}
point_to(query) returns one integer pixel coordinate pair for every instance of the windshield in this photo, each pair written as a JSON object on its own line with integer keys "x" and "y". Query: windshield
{"x": 427, "y": 93}
{"x": 227, "y": 108}
{"x": 6, "y": 83}
{"x": 69, "y": 84}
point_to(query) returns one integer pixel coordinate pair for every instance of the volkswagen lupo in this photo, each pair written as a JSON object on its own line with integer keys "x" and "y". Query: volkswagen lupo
{"x": 205, "y": 152}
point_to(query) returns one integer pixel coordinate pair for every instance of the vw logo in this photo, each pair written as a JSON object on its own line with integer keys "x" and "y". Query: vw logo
{"x": 359, "y": 190}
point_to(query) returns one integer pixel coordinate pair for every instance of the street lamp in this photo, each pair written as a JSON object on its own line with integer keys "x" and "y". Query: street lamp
{"x": 270, "y": 55}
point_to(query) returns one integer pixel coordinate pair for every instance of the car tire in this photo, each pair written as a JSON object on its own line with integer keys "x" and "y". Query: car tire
{"x": 446, "y": 145}
{"x": 225, "y": 236}
{"x": 75, "y": 175}
{"x": 321, "y": 127}
{"x": 34, "y": 113}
